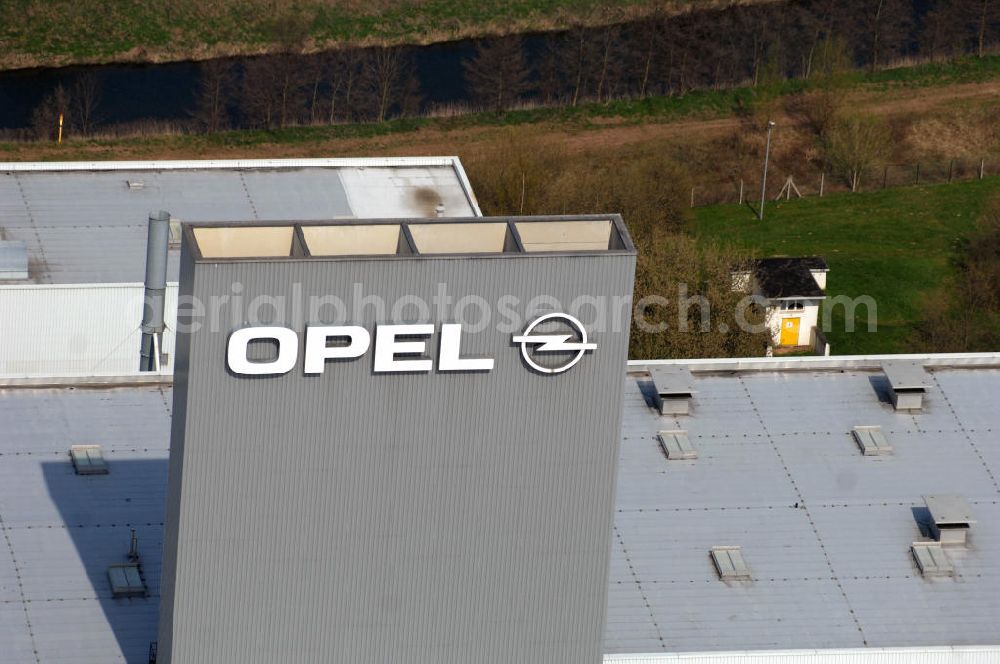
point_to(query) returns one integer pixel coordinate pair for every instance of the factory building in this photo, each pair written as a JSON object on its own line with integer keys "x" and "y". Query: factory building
{"x": 356, "y": 468}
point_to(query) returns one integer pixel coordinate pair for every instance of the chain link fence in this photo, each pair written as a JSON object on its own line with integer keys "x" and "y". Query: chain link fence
{"x": 813, "y": 181}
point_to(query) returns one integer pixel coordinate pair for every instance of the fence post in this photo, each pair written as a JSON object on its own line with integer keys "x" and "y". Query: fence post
{"x": 822, "y": 180}
{"x": 982, "y": 168}
{"x": 917, "y": 181}
{"x": 692, "y": 196}
{"x": 951, "y": 171}
{"x": 741, "y": 191}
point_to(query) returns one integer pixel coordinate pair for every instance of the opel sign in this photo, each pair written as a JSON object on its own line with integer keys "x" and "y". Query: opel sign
{"x": 398, "y": 348}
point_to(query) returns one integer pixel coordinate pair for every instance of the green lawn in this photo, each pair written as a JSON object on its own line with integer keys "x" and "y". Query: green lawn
{"x": 895, "y": 246}
{"x": 43, "y": 32}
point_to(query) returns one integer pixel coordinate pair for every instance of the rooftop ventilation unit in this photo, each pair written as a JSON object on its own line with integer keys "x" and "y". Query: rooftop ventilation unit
{"x": 871, "y": 440}
{"x": 88, "y": 460}
{"x": 126, "y": 578}
{"x": 677, "y": 446}
{"x": 907, "y": 384}
{"x": 729, "y": 563}
{"x": 13, "y": 260}
{"x": 931, "y": 559}
{"x": 673, "y": 389}
{"x": 135, "y": 184}
{"x": 951, "y": 519}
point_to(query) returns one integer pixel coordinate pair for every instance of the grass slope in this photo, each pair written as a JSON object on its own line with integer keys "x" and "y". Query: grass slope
{"x": 47, "y": 32}
{"x": 895, "y": 246}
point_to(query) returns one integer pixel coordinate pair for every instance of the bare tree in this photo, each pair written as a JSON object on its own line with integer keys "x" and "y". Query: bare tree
{"x": 272, "y": 90}
{"x": 497, "y": 74}
{"x": 86, "y": 100}
{"x": 647, "y": 45}
{"x": 854, "y": 145}
{"x": 885, "y": 23}
{"x": 387, "y": 80}
{"x": 983, "y": 15}
{"x": 344, "y": 75}
{"x": 215, "y": 90}
{"x": 608, "y": 67}
{"x": 45, "y": 116}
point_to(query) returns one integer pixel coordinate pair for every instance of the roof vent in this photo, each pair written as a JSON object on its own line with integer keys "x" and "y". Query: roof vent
{"x": 88, "y": 460}
{"x": 729, "y": 563}
{"x": 136, "y": 184}
{"x": 951, "y": 518}
{"x": 126, "y": 579}
{"x": 907, "y": 384}
{"x": 931, "y": 559}
{"x": 673, "y": 389}
{"x": 677, "y": 446}
{"x": 871, "y": 440}
{"x": 13, "y": 260}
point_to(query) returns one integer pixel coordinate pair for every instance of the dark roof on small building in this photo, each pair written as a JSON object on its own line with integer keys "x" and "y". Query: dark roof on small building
{"x": 784, "y": 277}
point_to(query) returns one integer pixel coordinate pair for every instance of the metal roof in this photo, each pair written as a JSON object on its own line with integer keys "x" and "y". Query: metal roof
{"x": 84, "y": 223}
{"x": 825, "y": 530}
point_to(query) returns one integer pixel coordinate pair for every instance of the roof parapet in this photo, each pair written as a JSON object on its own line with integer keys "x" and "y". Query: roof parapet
{"x": 387, "y": 238}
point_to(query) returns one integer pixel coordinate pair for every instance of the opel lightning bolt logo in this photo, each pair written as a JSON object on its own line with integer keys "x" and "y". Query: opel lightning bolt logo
{"x": 554, "y": 343}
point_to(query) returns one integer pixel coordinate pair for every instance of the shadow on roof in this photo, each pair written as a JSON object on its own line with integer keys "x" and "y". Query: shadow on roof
{"x": 99, "y": 512}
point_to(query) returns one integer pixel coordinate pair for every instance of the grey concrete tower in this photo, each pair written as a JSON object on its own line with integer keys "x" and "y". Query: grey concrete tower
{"x": 346, "y": 489}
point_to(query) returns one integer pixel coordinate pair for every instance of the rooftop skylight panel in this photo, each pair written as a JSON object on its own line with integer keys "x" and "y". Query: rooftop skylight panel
{"x": 677, "y": 446}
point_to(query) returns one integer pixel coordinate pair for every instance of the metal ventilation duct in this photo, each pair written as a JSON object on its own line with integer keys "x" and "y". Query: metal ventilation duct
{"x": 154, "y": 302}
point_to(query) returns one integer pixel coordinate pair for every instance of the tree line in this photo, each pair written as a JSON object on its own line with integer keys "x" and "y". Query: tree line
{"x": 662, "y": 54}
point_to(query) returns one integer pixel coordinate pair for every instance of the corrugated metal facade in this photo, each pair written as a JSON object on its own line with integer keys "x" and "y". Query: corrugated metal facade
{"x": 404, "y": 518}
{"x": 950, "y": 655}
{"x": 88, "y": 329}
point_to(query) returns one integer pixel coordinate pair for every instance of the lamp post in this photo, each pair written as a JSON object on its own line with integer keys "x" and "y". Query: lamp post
{"x": 763, "y": 180}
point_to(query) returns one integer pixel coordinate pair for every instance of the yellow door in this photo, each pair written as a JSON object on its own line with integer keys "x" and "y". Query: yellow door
{"x": 790, "y": 332}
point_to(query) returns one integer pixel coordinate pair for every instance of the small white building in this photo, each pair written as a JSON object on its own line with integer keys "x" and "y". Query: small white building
{"x": 794, "y": 288}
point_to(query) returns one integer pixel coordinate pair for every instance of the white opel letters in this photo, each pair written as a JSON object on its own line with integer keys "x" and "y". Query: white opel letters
{"x": 398, "y": 348}
{"x": 239, "y": 341}
{"x": 451, "y": 344}
{"x": 387, "y": 348}
{"x": 317, "y": 351}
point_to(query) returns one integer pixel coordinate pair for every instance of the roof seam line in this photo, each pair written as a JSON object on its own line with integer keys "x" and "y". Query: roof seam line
{"x": 638, "y": 584}
{"x": 20, "y": 587}
{"x": 805, "y": 508}
{"x": 972, "y": 444}
{"x": 246, "y": 190}
{"x": 34, "y": 228}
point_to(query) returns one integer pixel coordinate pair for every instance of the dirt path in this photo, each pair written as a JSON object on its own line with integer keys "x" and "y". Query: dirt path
{"x": 612, "y": 134}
